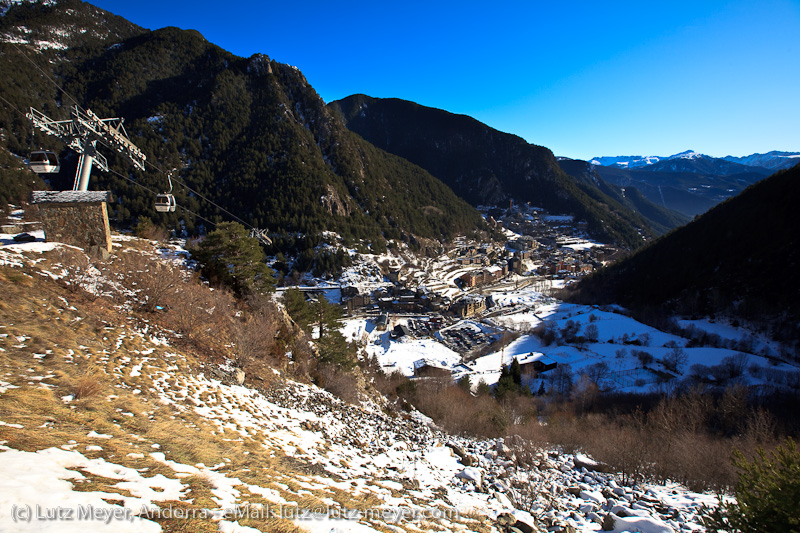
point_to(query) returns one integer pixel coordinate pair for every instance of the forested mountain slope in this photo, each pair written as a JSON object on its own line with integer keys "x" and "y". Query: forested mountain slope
{"x": 486, "y": 166}
{"x": 740, "y": 259}
{"x": 250, "y": 134}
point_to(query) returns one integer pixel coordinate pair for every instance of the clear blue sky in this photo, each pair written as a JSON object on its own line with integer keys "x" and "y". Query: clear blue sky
{"x": 584, "y": 79}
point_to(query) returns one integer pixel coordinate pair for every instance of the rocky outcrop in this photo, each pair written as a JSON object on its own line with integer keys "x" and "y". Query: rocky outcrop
{"x": 334, "y": 204}
{"x": 537, "y": 490}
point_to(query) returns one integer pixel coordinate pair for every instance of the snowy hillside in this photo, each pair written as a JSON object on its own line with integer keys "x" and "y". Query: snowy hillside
{"x": 110, "y": 422}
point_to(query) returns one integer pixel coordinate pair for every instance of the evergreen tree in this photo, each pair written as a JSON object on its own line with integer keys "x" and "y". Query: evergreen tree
{"x": 483, "y": 388}
{"x": 505, "y": 385}
{"x": 298, "y": 308}
{"x": 465, "y": 383}
{"x": 326, "y": 316}
{"x": 334, "y": 349}
{"x": 515, "y": 371}
{"x": 767, "y": 493}
{"x": 229, "y": 256}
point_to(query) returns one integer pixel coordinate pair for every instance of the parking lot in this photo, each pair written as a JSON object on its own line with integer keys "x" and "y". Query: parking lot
{"x": 465, "y": 338}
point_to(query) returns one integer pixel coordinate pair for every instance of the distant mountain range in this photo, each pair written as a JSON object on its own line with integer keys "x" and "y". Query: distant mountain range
{"x": 691, "y": 161}
{"x": 690, "y": 182}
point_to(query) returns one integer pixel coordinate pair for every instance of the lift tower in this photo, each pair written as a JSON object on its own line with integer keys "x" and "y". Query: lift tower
{"x": 82, "y": 133}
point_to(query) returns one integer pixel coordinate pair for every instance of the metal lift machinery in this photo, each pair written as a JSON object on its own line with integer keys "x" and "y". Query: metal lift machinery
{"x": 82, "y": 133}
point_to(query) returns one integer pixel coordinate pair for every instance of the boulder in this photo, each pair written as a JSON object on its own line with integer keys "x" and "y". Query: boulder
{"x": 592, "y": 496}
{"x": 471, "y": 474}
{"x": 582, "y": 461}
{"x": 618, "y": 524}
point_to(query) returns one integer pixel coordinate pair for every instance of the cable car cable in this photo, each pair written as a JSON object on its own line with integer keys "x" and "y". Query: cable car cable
{"x": 46, "y": 75}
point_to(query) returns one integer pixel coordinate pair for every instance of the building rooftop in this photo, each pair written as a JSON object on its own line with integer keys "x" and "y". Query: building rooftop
{"x": 65, "y": 197}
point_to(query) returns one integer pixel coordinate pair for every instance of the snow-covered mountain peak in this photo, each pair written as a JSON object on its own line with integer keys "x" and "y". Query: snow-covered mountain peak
{"x": 773, "y": 160}
{"x": 688, "y": 154}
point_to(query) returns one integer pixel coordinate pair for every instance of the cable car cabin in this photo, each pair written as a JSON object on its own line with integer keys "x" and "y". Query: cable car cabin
{"x": 165, "y": 203}
{"x": 44, "y": 162}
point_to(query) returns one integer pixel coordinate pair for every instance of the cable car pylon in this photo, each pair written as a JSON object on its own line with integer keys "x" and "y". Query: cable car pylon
{"x": 81, "y": 133}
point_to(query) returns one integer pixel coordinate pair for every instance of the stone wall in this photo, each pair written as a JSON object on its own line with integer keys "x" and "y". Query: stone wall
{"x": 79, "y": 223}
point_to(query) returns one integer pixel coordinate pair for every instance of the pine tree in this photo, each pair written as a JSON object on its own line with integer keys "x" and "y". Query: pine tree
{"x": 505, "y": 385}
{"x": 516, "y": 372}
{"x": 229, "y": 256}
{"x": 767, "y": 493}
{"x": 298, "y": 308}
{"x": 334, "y": 349}
{"x": 326, "y": 315}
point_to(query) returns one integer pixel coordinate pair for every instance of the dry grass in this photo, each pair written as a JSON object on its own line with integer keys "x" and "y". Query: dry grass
{"x": 89, "y": 385}
{"x": 88, "y": 346}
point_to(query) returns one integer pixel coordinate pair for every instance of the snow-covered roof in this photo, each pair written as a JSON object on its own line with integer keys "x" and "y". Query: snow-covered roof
{"x": 65, "y": 197}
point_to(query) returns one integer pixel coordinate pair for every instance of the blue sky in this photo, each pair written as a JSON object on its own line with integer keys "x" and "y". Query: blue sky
{"x": 584, "y": 79}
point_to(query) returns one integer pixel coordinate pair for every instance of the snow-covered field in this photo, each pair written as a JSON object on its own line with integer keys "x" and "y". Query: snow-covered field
{"x": 619, "y": 341}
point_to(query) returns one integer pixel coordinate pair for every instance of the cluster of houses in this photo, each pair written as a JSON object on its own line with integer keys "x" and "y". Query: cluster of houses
{"x": 484, "y": 276}
{"x": 532, "y": 366}
{"x": 419, "y": 301}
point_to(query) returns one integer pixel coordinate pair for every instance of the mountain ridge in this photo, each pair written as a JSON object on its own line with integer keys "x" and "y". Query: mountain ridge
{"x": 720, "y": 263}
{"x": 249, "y": 133}
{"x": 762, "y": 163}
{"x": 486, "y": 166}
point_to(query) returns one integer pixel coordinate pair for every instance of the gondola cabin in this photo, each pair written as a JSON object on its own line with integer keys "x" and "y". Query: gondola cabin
{"x": 165, "y": 203}
{"x": 44, "y": 162}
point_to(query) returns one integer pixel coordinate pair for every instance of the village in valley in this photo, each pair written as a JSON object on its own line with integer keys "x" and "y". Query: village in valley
{"x": 474, "y": 309}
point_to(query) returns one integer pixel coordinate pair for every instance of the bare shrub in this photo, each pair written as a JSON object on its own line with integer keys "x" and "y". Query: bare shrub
{"x": 701, "y": 461}
{"x": 645, "y": 358}
{"x": 675, "y": 359}
{"x": 254, "y": 334}
{"x": 546, "y": 331}
{"x": 79, "y": 275}
{"x": 201, "y": 315}
{"x": 304, "y": 361}
{"x": 386, "y": 384}
{"x": 190, "y": 306}
{"x": 341, "y": 383}
{"x": 88, "y": 385}
{"x": 457, "y": 410}
{"x": 151, "y": 282}
{"x": 591, "y": 332}
{"x": 760, "y": 430}
{"x": 561, "y": 379}
{"x": 625, "y": 445}
{"x": 598, "y": 372}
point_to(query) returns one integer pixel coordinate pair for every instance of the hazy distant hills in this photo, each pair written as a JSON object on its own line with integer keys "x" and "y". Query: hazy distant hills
{"x": 486, "y": 166}
{"x": 660, "y": 218}
{"x": 739, "y": 258}
{"x": 772, "y": 160}
{"x": 689, "y": 182}
{"x": 250, "y": 134}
